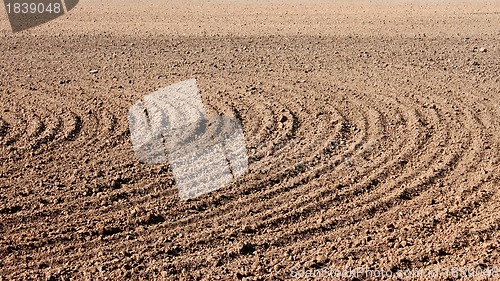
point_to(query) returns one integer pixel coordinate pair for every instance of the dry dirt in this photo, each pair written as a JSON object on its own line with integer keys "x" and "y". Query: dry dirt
{"x": 372, "y": 129}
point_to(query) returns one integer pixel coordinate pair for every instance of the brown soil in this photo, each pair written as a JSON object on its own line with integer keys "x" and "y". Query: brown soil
{"x": 372, "y": 131}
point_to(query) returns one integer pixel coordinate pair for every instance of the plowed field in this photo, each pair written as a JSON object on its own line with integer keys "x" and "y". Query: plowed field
{"x": 372, "y": 131}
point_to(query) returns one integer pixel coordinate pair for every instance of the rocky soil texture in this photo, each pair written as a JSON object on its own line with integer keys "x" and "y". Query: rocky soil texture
{"x": 372, "y": 129}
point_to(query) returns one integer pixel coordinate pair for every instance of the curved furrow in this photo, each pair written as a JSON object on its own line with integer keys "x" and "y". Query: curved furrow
{"x": 73, "y": 125}
{"x": 101, "y": 210}
{"x": 451, "y": 163}
{"x": 297, "y": 205}
{"x": 46, "y": 133}
{"x": 257, "y": 220}
{"x": 272, "y": 223}
{"x": 475, "y": 191}
{"x": 14, "y": 124}
{"x": 183, "y": 223}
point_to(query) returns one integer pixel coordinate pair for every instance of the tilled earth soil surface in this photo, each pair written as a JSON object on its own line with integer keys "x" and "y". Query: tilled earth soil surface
{"x": 372, "y": 130}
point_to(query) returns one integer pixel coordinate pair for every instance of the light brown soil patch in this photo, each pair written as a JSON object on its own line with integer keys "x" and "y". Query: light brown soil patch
{"x": 372, "y": 131}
